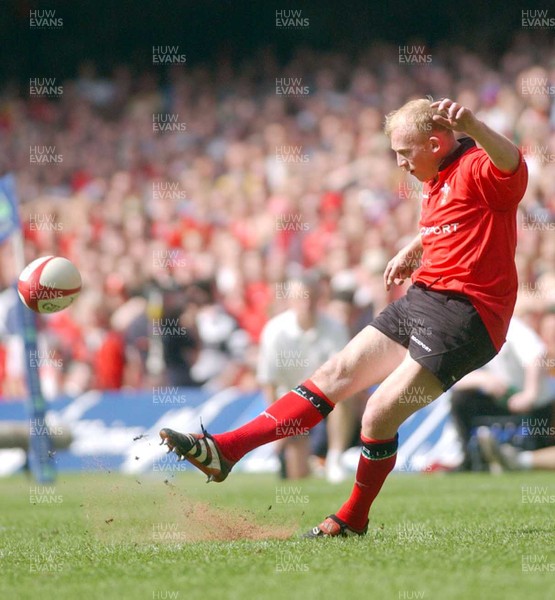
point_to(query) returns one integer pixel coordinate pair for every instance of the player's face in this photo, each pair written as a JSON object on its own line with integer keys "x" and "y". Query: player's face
{"x": 416, "y": 155}
{"x": 303, "y": 299}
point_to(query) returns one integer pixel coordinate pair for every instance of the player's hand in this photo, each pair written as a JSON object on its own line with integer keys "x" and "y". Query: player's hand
{"x": 454, "y": 116}
{"x": 399, "y": 268}
{"x": 493, "y": 386}
{"x": 521, "y": 402}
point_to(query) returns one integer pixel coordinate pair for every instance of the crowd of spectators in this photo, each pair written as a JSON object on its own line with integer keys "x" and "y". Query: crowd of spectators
{"x": 186, "y": 237}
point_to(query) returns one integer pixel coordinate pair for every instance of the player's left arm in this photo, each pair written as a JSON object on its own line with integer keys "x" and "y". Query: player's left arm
{"x": 524, "y": 400}
{"x": 501, "y": 151}
{"x": 530, "y": 351}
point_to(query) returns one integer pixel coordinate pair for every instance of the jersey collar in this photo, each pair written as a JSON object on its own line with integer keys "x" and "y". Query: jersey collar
{"x": 466, "y": 143}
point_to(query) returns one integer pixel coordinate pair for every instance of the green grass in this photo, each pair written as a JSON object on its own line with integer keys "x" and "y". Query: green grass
{"x": 106, "y": 536}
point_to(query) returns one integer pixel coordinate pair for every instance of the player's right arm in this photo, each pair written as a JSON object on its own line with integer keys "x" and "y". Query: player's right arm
{"x": 401, "y": 266}
{"x": 501, "y": 151}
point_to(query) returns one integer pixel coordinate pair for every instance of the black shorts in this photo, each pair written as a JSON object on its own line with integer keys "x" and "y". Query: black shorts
{"x": 442, "y": 331}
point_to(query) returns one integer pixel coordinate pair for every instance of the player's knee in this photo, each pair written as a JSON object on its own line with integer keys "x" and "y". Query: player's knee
{"x": 371, "y": 419}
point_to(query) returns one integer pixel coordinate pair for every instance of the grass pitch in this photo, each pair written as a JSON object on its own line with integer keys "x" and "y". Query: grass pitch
{"x": 106, "y": 536}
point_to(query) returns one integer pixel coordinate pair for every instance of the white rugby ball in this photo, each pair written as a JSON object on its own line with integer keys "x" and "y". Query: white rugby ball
{"x": 49, "y": 284}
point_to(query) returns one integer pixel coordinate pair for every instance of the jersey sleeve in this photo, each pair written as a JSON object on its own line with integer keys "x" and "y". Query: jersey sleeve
{"x": 500, "y": 191}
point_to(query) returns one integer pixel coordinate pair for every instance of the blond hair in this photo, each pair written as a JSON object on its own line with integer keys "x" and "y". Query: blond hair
{"x": 416, "y": 116}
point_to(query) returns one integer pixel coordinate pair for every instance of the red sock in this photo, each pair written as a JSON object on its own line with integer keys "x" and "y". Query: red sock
{"x": 293, "y": 414}
{"x": 376, "y": 461}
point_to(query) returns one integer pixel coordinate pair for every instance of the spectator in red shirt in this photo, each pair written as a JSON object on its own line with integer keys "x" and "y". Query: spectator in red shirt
{"x": 108, "y": 358}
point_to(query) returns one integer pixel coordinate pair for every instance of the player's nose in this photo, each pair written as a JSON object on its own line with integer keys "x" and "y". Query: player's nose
{"x": 402, "y": 162}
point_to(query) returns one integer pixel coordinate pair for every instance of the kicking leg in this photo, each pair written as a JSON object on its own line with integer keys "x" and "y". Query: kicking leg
{"x": 364, "y": 361}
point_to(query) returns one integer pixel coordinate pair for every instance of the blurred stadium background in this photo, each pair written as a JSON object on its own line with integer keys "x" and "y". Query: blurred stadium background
{"x": 190, "y": 157}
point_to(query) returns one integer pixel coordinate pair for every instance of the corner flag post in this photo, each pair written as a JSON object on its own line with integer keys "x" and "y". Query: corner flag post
{"x": 41, "y": 458}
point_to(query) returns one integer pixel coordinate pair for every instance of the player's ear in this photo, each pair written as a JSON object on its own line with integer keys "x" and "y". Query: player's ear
{"x": 434, "y": 143}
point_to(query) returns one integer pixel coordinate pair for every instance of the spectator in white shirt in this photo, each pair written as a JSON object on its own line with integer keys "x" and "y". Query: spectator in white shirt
{"x": 515, "y": 382}
{"x": 292, "y": 345}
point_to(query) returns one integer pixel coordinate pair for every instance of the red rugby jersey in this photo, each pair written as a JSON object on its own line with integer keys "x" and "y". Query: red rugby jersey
{"x": 468, "y": 228}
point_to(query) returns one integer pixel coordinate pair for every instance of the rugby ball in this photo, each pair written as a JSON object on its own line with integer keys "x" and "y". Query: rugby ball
{"x": 49, "y": 284}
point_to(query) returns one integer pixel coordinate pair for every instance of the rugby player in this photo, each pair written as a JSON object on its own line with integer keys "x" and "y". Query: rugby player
{"x": 452, "y": 320}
